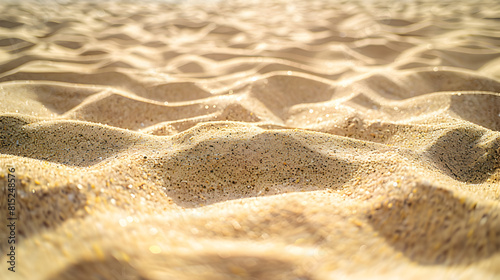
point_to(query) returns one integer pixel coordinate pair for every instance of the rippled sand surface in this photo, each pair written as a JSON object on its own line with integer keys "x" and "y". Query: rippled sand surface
{"x": 251, "y": 140}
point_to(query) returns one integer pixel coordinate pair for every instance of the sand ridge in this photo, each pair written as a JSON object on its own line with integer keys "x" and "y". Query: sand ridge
{"x": 251, "y": 140}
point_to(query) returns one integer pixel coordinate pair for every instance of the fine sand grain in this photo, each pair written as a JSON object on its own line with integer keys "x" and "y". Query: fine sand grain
{"x": 251, "y": 140}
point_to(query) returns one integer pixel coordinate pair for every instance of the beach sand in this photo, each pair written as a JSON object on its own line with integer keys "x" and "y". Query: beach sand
{"x": 250, "y": 140}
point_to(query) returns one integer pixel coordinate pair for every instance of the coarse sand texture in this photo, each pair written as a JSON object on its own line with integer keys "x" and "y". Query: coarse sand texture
{"x": 249, "y": 140}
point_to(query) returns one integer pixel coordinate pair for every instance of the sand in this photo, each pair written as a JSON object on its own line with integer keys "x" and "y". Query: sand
{"x": 251, "y": 140}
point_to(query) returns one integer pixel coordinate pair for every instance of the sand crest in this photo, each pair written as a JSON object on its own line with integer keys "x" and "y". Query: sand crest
{"x": 250, "y": 140}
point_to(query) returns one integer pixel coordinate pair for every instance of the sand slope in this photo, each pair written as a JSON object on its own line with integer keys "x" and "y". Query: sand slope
{"x": 261, "y": 140}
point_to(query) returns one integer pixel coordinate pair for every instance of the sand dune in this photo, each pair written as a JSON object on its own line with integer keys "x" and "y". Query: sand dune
{"x": 251, "y": 140}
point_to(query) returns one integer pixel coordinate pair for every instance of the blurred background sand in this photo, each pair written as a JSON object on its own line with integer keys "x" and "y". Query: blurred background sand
{"x": 251, "y": 140}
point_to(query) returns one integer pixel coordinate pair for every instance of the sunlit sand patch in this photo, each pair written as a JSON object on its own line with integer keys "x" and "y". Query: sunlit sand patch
{"x": 249, "y": 140}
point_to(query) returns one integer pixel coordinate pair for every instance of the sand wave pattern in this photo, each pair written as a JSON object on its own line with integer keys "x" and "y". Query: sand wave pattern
{"x": 251, "y": 140}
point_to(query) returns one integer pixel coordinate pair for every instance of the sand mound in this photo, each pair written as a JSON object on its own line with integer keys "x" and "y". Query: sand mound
{"x": 250, "y": 140}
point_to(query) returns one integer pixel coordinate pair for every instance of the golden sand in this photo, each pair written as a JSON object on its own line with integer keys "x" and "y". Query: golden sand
{"x": 251, "y": 140}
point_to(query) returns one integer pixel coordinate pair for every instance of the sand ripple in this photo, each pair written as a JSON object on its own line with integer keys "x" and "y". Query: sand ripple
{"x": 252, "y": 140}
